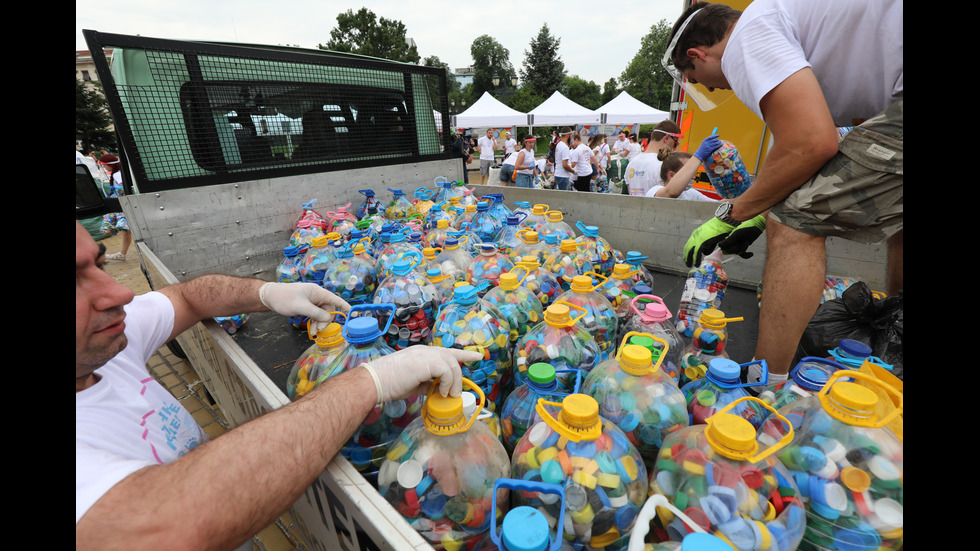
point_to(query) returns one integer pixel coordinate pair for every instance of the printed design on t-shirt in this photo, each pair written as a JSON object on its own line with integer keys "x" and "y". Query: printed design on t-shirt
{"x": 171, "y": 423}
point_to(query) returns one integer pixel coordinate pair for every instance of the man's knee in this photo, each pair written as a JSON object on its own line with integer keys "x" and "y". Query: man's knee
{"x": 779, "y": 236}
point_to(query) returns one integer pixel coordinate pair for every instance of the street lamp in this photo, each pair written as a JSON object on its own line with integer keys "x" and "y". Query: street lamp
{"x": 505, "y": 92}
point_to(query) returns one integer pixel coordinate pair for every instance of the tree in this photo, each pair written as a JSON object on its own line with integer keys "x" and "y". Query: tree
{"x": 489, "y": 58}
{"x": 363, "y": 33}
{"x": 609, "y": 91}
{"x": 644, "y": 78}
{"x": 543, "y": 70}
{"x": 583, "y": 92}
{"x": 452, "y": 85}
{"x": 92, "y": 120}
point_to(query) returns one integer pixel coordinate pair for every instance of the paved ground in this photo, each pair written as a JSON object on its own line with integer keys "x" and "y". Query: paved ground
{"x": 180, "y": 379}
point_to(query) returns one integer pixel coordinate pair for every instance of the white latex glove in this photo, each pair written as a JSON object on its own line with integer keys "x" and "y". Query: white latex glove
{"x": 303, "y": 299}
{"x": 409, "y": 371}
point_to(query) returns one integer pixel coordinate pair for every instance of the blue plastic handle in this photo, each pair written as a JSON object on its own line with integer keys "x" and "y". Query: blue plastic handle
{"x": 370, "y": 308}
{"x": 530, "y": 486}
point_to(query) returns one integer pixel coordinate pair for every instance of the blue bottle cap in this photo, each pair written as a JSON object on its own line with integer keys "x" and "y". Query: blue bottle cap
{"x": 724, "y": 369}
{"x": 483, "y": 205}
{"x": 854, "y": 348}
{"x": 465, "y": 294}
{"x": 702, "y": 541}
{"x": 433, "y": 272}
{"x": 525, "y": 529}
{"x": 642, "y": 289}
{"x": 362, "y": 329}
{"x": 367, "y": 192}
{"x": 290, "y": 250}
{"x": 401, "y": 267}
{"x": 513, "y": 220}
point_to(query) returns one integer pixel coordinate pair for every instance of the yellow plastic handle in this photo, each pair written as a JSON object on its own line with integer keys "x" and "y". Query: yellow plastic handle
{"x": 591, "y": 433}
{"x": 519, "y": 233}
{"x": 600, "y": 276}
{"x": 662, "y": 341}
{"x": 873, "y": 381}
{"x": 309, "y": 326}
{"x": 783, "y": 442}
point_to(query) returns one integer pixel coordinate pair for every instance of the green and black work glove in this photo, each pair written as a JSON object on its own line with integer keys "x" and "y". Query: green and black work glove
{"x": 743, "y": 235}
{"x": 731, "y": 239}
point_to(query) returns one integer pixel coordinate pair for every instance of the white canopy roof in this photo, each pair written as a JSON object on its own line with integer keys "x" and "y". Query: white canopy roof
{"x": 625, "y": 109}
{"x": 559, "y": 110}
{"x": 489, "y": 112}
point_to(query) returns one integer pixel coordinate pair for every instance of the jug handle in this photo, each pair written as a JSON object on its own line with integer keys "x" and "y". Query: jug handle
{"x": 662, "y": 341}
{"x": 530, "y": 486}
{"x": 641, "y": 526}
{"x": 309, "y": 327}
{"x": 872, "y": 381}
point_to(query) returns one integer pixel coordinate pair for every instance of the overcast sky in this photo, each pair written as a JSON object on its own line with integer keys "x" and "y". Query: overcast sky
{"x": 598, "y": 38}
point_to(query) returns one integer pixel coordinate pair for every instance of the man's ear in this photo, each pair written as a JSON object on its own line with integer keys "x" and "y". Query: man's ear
{"x": 696, "y": 53}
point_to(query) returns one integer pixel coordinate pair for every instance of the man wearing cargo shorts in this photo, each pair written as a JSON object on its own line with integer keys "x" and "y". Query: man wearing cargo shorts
{"x": 805, "y": 68}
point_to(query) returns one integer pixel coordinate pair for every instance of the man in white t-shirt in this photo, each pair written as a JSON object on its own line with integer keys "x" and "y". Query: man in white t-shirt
{"x": 563, "y": 167}
{"x": 619, "y": 147}
{"x": 145, "y": 473}
{"x": 582, "y": 160}
{"x": 510, "y": 145}
{"x": 486, "y": 145}
{"x": 783, "y": 60}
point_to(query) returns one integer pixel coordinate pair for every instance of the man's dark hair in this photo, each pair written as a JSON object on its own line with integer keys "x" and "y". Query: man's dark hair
{"x": 706, "y": 29}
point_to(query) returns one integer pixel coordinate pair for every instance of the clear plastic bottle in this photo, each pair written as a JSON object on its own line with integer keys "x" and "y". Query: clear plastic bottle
{"x": 650, "y": 315}
{"x": 438, "y": 211}
{"x": 601, "y": 471}
{"x": 342, "y": 223}
{"x": 400, "y": 207}
{"x": 306, "y": 231}
{"x": 308, "y": 212}
{"x": 518, "y": 303}
{"x": 853, "y": 353}
{"x": 535, "y": 218}
{"x": 290, "y": 268}
{"x": 523, "y": 208}
{"x": 709, "y": 340}
{"x": 566, "y": 263}
{"x": 602, "y": 255}
{"x": 530, "y": 244}
{"x": 635, "y": 260}
{"x": 696, "y": 540}
{"x": 617, "y": 288}
{"x": 367, "y": 448}
{"x": 558, "y": 340}
{"x": 507, "y": 240}
{"x": 848, "y": 463}
{"x": 554, "y": 223}
{"x": 415, "y": 300}
{"x": 394, "y": 249}
{"x": 354, "y": 275}
{"x": 322, "y": 253}
{"x": 436, "y": 237}
{"x": 805, "y": 379}
{"x": 539, "y": 281}
{"x": 728, "y": 484}
{"x": 440, "y": 474}
{"x": 312, "y": 366}
{"x": 464, "y": 215}
{"x": 485, "y": 223}
{"x": 705, "y": 288}
{"x": 369, "y": 202}
{"x": 600, "y": 319}
{"x": 488, "y": 266}
{"x": 445, "y": 190}
{"x": 469, "y": 322}
{"x": 423, "y": 201}
{"x": 443, "y": 284}
{"x": 726, "y": 171}
{"x": 633, "y": 392}
{"x": 519, "y": 414}
{"x": 454, "y": 260}
{"x": 528, "y": 528}
{"x": 721, "y": 386}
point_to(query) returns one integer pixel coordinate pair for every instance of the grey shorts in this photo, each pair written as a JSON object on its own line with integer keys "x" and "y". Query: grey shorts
{"x": 858, "y": 194}
{"x": 485, "y": 167}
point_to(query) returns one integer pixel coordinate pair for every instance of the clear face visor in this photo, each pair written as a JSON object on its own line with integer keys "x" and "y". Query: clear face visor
{"x": 706, "y": 99}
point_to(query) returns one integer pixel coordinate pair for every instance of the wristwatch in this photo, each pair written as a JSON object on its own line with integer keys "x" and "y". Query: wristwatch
{"x": 724, "y": 213}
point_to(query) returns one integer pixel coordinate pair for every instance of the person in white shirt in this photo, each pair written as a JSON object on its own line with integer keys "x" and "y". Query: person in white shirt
{"x": 145, "y": 472}
{"x": 563, "y": 167}
{"x": 486, "y": 145}
{"x": 678, "y": 170}
{"x": 510, "y": 145}
{"x": 643, "y": 170}
{"x": 619, "y": 148}
{"x": 584, "y": 163}
{"x": 633, "y": 149}
{"x": 507, "y": 169}
{"x": 784, "y": 60}
{"x": 525, "y": 164}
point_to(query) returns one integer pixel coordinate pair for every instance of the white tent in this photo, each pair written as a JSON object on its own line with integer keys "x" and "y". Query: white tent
{"x": 625, "y": 109}
{"x": 489, "y": 112}
{"x": 561, "y": 111}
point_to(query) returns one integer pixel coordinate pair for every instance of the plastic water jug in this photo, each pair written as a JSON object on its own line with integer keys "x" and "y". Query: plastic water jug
{"x": 651, "y": 315}
{"x": 709, "y": 340}
{"x": 440, "y": 474}
{"x": 369, "y": 202}
{"x": 566, "y": 263}
{"x": 600, "y": 319}
{"x": 519, "y": 412}
{"x": 312, "y": 366}
{"x": 722, "y": 386}
{"x": 539, "y": 281}
{"x": 415, "y": 300}
{"x": 528, "y": 528}
{"x": 518, "y": 303}
{"x": 485, "y": 224}
{"x": 705, "y": 288}
{"x": 488, "y": 266}
{"x": 726, "y": 171}
{"x": 531, "y": 245}
{"x": 290, "y": 267}
{"x": 696, "y": 540}
{"x": 805, "y": 379}
{"x": 354, "y": 275}
{"x": 559, "y": 340}
{"x": 400, "y": 207}
{"x": 601, "y": 254}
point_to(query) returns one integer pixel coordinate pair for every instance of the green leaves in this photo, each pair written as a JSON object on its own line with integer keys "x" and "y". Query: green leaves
{"x": 363, "y": 33}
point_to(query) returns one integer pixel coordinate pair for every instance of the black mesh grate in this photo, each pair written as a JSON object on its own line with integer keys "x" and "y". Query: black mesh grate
{"x": 199, "y": 113}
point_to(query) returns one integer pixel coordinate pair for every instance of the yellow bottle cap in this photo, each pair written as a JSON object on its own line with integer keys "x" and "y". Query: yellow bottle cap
{"x": 731, "y": 435}
{"x": 581, "y": 283}
{"x": 539, "y": 209}
{"x": 636, "y": 359}
{"x": 557, "y": 315}
{"x": 855, "y": 479}
{"x": 319, "y": 241}
{"x": 507, "y": 281}
{"x": 470, "y": 208}
{"x": 620, "y": 271}
{"x": 568, "y": 245}
{"x": 443, "y": 223}
{"x": 853, "y": 399}
{"x": 330, "y": 335}
{"x": 554, "y": 216}
{"x": 443, "y": 412}
{"x": 531, "y": 261}
{"x": 333, "y": 236}
{"x": 579, "y": 411}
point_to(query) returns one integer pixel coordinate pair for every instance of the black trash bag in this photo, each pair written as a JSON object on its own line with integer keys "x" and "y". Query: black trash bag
{"x": 857, "y": 315}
